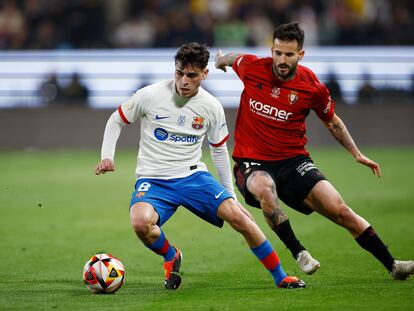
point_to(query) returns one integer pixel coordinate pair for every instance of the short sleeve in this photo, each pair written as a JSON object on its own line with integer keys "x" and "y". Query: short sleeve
{"x": 242, "y": 63}
{"x": 324, "y": 105}
{"x": 218, "y": 133}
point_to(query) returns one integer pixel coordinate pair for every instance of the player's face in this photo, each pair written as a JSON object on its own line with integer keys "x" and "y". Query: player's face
{"x": 188, "y": 80}
{"x": 286, "y": 55}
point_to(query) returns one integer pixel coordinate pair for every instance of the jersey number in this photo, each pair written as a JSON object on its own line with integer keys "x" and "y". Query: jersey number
{"x": 144, "y": 186}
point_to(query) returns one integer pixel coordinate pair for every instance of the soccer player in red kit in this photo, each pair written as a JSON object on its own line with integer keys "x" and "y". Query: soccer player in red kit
{"x": 271, "y": 160}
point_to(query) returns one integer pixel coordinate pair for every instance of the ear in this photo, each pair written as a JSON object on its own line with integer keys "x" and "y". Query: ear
{"x": 301, "y": 54}
{"x": 205, "y": 74}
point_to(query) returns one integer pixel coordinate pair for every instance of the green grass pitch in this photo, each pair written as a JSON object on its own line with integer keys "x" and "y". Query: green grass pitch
{"x": 55, "y": 214}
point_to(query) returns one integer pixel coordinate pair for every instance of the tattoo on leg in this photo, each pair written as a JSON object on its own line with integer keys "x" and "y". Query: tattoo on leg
{"x": 276, "y": 217}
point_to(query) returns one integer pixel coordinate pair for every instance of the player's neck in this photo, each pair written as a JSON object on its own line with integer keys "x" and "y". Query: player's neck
{"x": 181, "y": 100}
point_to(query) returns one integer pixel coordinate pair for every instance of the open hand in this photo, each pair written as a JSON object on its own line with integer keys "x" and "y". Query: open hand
{"x": 376, "y": 169}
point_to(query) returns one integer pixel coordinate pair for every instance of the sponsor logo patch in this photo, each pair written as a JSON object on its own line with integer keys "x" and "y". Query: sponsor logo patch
{"x": 268, "y": 111}
{"x": 162, "y": 135}
{"x": 305, "y": 167}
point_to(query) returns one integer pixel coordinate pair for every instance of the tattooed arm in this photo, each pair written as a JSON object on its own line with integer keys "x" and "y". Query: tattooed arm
{"x": 223, "y": 60}
{"x": 339, "y": 131}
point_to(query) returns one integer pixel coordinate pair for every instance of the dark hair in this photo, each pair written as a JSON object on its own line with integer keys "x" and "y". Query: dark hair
{"x": 194, "y": 54}
{"x": 290, "y": 32}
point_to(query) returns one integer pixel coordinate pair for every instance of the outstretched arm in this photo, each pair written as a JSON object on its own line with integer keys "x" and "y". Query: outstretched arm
{"x": 339, "y": 131}
{"x": 223, "y": 60}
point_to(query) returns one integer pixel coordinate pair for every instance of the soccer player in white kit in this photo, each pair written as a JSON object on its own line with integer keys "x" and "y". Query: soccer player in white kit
{"x": 175, "y": 117}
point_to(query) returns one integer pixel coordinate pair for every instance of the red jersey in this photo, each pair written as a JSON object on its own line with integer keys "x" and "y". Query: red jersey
{"x": 270, "y": 123}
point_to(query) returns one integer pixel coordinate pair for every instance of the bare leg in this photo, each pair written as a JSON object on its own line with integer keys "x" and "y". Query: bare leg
{"x": 325, "y": 200}
{"x": 144, "y": 222}
{"x": 231, "y": 213}
{"x": 144, "y": 219}
{"x": 263, "y": 188}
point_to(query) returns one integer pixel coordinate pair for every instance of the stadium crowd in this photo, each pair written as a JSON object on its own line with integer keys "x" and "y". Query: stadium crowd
{"x": 50, "y": 24}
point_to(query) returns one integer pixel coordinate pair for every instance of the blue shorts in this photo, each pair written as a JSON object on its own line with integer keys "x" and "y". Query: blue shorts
{"x": 200, "y": 193}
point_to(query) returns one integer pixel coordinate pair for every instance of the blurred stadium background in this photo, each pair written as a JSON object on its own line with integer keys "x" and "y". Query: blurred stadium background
{"x": 64, "y": 65}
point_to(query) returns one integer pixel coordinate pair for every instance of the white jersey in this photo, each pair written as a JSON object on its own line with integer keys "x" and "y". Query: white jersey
{"x": 173, "y": 129}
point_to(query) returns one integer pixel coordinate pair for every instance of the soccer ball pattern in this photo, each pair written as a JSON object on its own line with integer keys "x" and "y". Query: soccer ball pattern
{"x": 104, "y": 273}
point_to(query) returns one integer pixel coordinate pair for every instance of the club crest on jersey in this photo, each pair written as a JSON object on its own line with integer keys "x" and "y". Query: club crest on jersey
{"x": 140, "y": 194}
{"x": 293, "y": 97}
{"x": 181, "y": 120}
{"x": 275, "y": 92}
{"x": 198, "y": 123}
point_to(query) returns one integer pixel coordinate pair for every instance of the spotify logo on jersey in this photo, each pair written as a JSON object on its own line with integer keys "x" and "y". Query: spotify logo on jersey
{"x": 160, "y": 134}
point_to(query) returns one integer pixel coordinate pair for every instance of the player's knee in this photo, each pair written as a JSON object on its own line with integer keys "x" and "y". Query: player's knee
{"x": 141, "y": 223}
{"x": 231, "y": 213}
{"x": 262, "y": 187}
{"x": 345, "y": 215}
{"x": 238, "y": 220}
{"x": 142, "y": 227}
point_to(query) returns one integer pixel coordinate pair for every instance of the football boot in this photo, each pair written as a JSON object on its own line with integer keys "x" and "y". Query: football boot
{"x": 291, "y": 282}
{"x": 401, "y": 270}
{"x": 172, "y": 274}
{"x": 307, "y": 263}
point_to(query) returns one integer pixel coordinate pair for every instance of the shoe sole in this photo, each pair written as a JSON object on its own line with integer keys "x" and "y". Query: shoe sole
{"x": 296, "y": 285}
{"x": 315, "y": 268}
